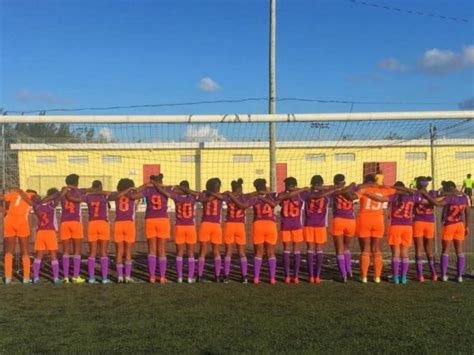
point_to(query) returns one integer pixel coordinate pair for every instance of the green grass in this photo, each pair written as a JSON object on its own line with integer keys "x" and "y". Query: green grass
{"x": 218, "y": 318}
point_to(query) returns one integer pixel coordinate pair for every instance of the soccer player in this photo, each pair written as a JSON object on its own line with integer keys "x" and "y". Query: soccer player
{"x": 467, "y": 187}
{"x": 264, "y": 229}
{"x": 16, "y": 227}
{"x": 46, "y": 232}
{"x": 124, "y": 227}
{"x": 210, "y": 229}
{"x": 185, "y": 229}
{"x": 343, "y": 226}
{"x": 234, "y": 228}
{"x": 455, "y": 228}
{"x": 70, "y": 230}
{"x": 370, "y": 227}
{"x": 98, "y": 230}
{"x": 424, "y": 228}
{"x": 400, "y": 231}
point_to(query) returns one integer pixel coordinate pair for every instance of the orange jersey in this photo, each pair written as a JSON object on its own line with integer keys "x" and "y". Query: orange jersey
{"x": 17, "y": 207}
{"x": 369, "y": 206}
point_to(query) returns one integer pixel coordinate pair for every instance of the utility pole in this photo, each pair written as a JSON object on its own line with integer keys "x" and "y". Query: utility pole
{"x": 272, "y": 95}
{"x": 433, "y": 181}
{"x": 4, "y": 160}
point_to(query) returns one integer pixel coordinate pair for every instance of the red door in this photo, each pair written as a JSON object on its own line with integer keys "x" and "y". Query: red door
{"x": 150, "y": 169}
{"x": 281, "y": 172}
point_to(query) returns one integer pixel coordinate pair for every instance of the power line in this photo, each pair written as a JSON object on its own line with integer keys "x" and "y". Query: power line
{"x": 228, "y": 101}
{"x": 411, "y": 12}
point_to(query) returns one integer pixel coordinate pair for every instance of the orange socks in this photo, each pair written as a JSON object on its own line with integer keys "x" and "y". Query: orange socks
{"x": 378, "y": 264}
{"x": 26, "y": 266}
{"x": 8, "y": 265}
{"x": 364, "y": 264}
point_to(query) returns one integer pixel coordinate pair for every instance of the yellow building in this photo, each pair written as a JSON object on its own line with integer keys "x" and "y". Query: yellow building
{"x": 42, "y": 166}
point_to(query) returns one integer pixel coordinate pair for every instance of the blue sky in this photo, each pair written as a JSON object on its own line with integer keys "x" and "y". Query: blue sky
{"x": 89, "y": 53}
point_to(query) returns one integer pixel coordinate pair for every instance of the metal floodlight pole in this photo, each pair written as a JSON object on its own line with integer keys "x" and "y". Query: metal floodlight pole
{"x": 433, "y": 181}
{"x": 4, "y": 160}
{"x": 272, "y": 95}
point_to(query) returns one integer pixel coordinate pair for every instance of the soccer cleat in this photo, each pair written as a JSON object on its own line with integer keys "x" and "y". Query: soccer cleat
{"x": 190, "y": 280}
{"x": 311, "y": 280}
{"x": 91, "y": 280}
{"x": 36, "y": 282}
{"x": 128, "y": 280}
{"x": 163, "y": 280}
{"x": 287, "y": 280}
{"x": 460, "y": 279}
{"x": 120, "y": 280}
{"x": 57, "y": 281}
{"x": 152, "y": 279}
{"x": 256, "y": 280}
{"x": 377, "y": 280}
{"x": 317, "y": 280}
{"x": 434, "y": 277}
{"x": 444, "y": 278}
{"x": 404, "y": 280}
{"x": 272, "y": 281}
{"x": 226, "y": 280}
{"x": 180, "y": 280}
{"x": 396, "y": 280}
{"x": 78, "y": 280}
{"x": 105, "y": 281}
{"x": 421, "y": 278}
{"x": 26, "y": 281}
{"x": 66, "y": 280}
{"x": 363, "y": 280}
{"x": 245, "y": 280}
{"x": 8, "y": 281}
{"x": 296, "y": 280}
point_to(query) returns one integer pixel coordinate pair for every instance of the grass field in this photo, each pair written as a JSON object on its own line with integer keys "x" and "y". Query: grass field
{"x": 216, "y": 318}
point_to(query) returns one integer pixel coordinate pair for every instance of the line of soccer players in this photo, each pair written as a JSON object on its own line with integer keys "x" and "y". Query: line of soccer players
{"x": 303, "y": 219}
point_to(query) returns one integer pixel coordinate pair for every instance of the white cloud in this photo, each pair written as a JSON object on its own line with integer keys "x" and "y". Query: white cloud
{"x": 467, "y": 104}
{"x": 439, "y": 61}
{"x": 203, "y": 134}
{"x": 392, "y": 64}
{"x": 25, "y": 95}
{"x": 106, "y": 133}
{"x": 207, "y": 84}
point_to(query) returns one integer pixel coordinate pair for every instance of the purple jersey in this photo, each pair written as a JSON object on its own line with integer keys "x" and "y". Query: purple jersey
{"x": 401, "y": 209}
{"x": 291, "y": 213}
{"x": 156, "y": 203}
{"x": 453, "y": 210}
{"x": 342, "y": 207}
{"x": 71, "y": 211}
{"x": 184, "y": 209}
{"x": 263, "y": 211}
{"x": 124, "y": 208}
{"x": 234, "y": 213}
{"x": 211, "y": 210}
{"x": 425, "y": 212}
{"x": 46, "y": 214}
{"x": 98, "y": 206}
{"x": 316, "y": 210}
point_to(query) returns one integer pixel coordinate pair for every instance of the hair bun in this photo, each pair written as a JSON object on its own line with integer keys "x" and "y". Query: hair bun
{"x": 240, "y": 181}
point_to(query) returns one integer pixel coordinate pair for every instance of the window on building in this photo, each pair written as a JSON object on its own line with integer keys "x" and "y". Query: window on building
{"x": 111, "y": 159}
{"x": 78, "y": 159}
{"x": 242, "y": 158}
{"x": 344, "y": 156}
{"x": 46, "y": 160}
{"x": 464, "y": 155}
{"x": 315, "y": 157}
{"x": 415, "y": 155}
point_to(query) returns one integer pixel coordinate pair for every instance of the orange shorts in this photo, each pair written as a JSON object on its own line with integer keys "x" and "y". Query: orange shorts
{"x": 318, "y": 235}
{"x": 453, "y": 231}
{"x": 370, "y": 227}
{"x": 98, "y": 230}
{"x": 234, "y": 232}
{"x": 124, "y": 231}
{"x": 71, "y": 230}
{"x": 293, "y": 236}
{"x": 185, "y": 234}
{"x": 400, "y": 235}
{"x": 264, "y": 232}
{"x": 343, "y": 227}
{"x": 16, "y": 228}
{"x": 423, "y": 230}
{"x": 210, "y": 232}
{"x": 46, "y": 240}
{"x": 157, "y": 228}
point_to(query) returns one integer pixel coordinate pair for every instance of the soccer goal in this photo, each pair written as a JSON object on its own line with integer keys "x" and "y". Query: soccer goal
{"x": 37, "y": 152}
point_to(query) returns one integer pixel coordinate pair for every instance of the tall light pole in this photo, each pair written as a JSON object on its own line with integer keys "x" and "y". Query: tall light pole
{"x": 272, "y": 95}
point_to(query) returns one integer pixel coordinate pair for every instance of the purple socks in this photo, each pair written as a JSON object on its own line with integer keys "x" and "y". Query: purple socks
{"x": 286, "y": 263}
{"x": 76, "y": 266}
{"x": 179, "y": 267}
{"x": 91, "y": 267}
{"x": 341, "y": 265}
{"x": 419, "y": 266}
{"x": 310, "y": 262}
{"x": 151, "y": 265}
{"x": 227, "y": 264}
{"x": 201, "y": 263}
{"x": 461, "y": 263}
{"x": 243, "y": 266}
{"x": 405, "y": 265}
{"x": 319, "y": 262}
{"x": 119, "y": 270}
{"x": 191, "y": 263}
{"x": 55, "y": 267}
{"x": 272, "y": 263}
{"x": 66, "y": 266}
{"x": 444, "y": 264}
{"x": 163, "y": 265}
{"x": 348, "y": 261}
{"x": 297, "y": 263}
{"x": 395, "y": 267}
{"x": 104, "y": 266}
{"x": 128, "y": 268}
{"x": 257, "y": 265}
{"x": 217, "y": 265}
{"x": 36, "y": 269}
{"x": 431, "y": 262}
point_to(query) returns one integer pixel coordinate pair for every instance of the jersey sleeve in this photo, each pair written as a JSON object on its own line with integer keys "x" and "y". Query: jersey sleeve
{"x": 305, "y": 195}
{"x": 112, "y": 196}
{"x": 10, "y": 196}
